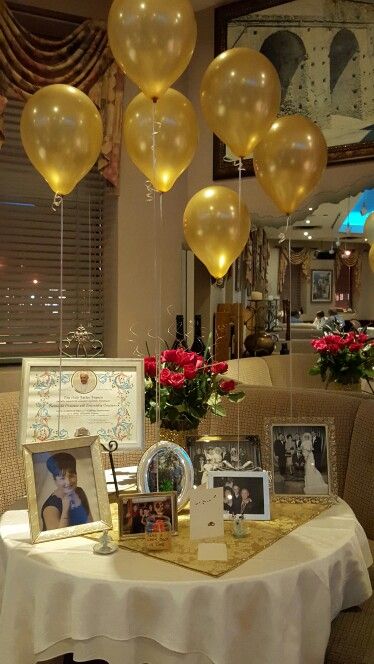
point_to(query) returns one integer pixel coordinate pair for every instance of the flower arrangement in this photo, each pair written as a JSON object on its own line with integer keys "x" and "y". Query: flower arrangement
{"x": 189, "y": 388}
{"x": 344, "y": 358}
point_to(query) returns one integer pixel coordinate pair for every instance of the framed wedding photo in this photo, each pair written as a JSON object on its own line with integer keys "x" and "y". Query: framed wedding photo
{"x": 301, "y": 456}
{"x": 322, "y": 61}
{"x": 245, "y": 493}
{"x": 321, "y": 286}
{"x": 135, "y": 508}
{"x": 66, "y": 488}
{"x": 90, "y": 396}
{"x": 226, "y": 452}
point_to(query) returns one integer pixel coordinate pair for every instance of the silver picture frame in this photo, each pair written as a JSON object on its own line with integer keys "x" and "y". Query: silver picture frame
{"x": 156, "y": 471}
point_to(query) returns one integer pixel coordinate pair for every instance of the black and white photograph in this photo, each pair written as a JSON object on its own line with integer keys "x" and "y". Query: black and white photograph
{"x": 245, "y": 493}
{"x": 66, "y": 487}
{"x": 321, "y": 53}
{"x": 300, "y": 459}
{"x": 209, "y": 453}
{"x": 321, "y": 286}
{"x": 135, "y": 509}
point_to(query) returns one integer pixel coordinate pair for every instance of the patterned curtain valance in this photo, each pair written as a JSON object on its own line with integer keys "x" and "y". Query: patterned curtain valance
{"x": 353, "y": 261}
{"x": 296, "y": 257}
{"x": 82, "y": 59}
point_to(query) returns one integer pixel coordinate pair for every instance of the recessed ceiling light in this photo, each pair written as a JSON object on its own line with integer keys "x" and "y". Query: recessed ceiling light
{"x": 306, "y": 233}
{"x": 366, "y": 239}
{"x": 310, "y": 209}
{"x": 307, "y": 221}
{"x": 34, "y": 281}
{"x": 309, "y": 237}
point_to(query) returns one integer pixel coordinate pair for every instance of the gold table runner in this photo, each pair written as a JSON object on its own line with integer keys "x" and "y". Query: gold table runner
{"x": 286, "y": 517}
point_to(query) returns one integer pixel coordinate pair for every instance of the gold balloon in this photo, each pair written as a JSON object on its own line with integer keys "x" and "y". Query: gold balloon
{"x": 152, "y": 41}
{"x": 369, "y": 228}
{"x": 62, "y": 133}
{"x": 240, "y": 97}
{"x": 176, "y": 136}
{"x": 371, "y": 257}
{"x": 290, "y": 160}
{"x": 215, "y": 229}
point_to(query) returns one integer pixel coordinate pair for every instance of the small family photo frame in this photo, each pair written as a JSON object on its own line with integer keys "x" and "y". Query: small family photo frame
{"x": 245, "y": 493}
{"x": 301, "y": 456}
{"x": 321, "y": 286}
{"x": 135, "y": 508}
{"x": 89, "y": 396}
{"x": 66, "y": 488}
{"x": 227, "y": 453}
{"x": 163, "y": 467}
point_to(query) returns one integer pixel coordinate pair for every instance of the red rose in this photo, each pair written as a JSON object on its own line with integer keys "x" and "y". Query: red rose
{"x": 190, "y": 371}
{"x": 362, "y": 337}
{"x": 169, "y": 356}
{"x": 150, "y": 366}
{"x": 354, "y": 347}
{"x": 183, "y": 357}
{"x": 219, "y": 367}
{"x": 199, "y": 363}
{"x": 176, "y": 380}
{"x": 227, "y": 385}
{"x": 165, "y": 376}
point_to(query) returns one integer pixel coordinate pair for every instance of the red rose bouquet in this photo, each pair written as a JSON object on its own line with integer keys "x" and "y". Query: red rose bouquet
{"x": 189, "y": 388}
{"x": 344, "y": 358}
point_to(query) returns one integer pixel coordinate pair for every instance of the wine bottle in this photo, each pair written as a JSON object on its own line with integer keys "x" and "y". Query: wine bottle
{"x": 180, "y": 340}
{"x": 198, "y": 345}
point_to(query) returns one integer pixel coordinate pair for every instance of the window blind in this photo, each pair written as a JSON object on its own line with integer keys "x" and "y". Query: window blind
{"x": 30, "y": 253}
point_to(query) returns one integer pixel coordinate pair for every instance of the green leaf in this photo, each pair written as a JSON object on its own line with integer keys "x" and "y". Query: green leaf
{"x": 315, "y": 371}
{"x": 218, "y": 410}
{"x": 236, "y": 397}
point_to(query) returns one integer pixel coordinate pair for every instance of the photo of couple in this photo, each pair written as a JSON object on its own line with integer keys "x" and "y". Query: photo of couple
{"x": 300, "y": 459}
{"x": 244, "y": 493}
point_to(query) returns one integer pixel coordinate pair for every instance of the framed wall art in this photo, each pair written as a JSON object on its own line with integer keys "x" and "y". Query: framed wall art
{"x": 100, "y": 396}
{"x": 301, "y": 456}
{"x": 66, "y": 489}
{"x": 323, "y": 55}
{"x": 321, "y": 286}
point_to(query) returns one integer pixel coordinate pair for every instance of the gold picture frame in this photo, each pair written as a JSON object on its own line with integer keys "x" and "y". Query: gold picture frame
{"x": 326, "y": 466}
{"x": 127, "y": 500}
{"x": 43, "y": 460}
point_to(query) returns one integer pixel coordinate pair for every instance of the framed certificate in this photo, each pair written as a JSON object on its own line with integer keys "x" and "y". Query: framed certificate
{"x": 97, "y": 396}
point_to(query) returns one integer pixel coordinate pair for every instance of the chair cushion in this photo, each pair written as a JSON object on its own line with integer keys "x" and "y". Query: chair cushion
{"x": 12, "y": 482}
{"x": 359, "y": 484}
{"x": 252, "y": 371}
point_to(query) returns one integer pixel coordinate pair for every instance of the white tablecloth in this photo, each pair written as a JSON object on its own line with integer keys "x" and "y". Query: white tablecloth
{"x": 130, "y": 609}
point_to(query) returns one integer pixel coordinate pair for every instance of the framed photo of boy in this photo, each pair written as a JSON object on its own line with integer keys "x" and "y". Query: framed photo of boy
{"x": 245, "y": 493}
{"x": 135, "y": 508}
{"x": 66, "y": 488}
{"x": 89, "y": 396}
{"x": 226, "y": 452}
{"x": 321, "y": 286}
{"x": 301, "y": 456}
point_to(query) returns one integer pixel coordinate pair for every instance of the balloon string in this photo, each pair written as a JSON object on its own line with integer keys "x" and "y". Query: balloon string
{"x": 57, "y": 200}
{"x": 238, "y": 322}
{"x": 89, "y": 261}
{"x": 61, "y": 205}
{"x": 288, "y": 234}
{"x": 152, "y": 192}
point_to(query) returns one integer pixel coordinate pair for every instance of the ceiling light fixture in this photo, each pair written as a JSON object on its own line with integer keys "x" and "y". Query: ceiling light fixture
{"x": 307, "y": 221}
{"x": 310, "y": 209}
{"x": 309, "y": 237}
{"x": 306, "y": 233}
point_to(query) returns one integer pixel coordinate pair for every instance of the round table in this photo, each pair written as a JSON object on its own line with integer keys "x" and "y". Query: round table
{"x": 130, "y": 608}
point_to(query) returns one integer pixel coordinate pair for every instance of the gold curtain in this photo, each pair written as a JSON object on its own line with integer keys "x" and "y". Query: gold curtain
{"x": 256, "y": 259}
{"x": 298, "y": 257}
{"x": 82, "y": 59}
{"x": 353, "y": 261}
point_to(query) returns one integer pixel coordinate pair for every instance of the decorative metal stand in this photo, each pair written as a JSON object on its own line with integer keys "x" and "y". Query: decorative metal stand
{"x": 81, "y": 343}
{"x": 112, "y": 447}
{"x": 105, "y": 545}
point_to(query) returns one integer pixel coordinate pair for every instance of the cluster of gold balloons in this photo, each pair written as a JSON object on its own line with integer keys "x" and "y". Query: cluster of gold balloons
{"x": 62, "y": 133}
{"x": 153, "y": 41}
{"x": 369, "y": 234}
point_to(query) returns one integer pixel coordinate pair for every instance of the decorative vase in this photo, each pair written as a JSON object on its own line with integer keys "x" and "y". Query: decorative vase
{"x": 176, "y": 435}
{"x": 344, "y": 387}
